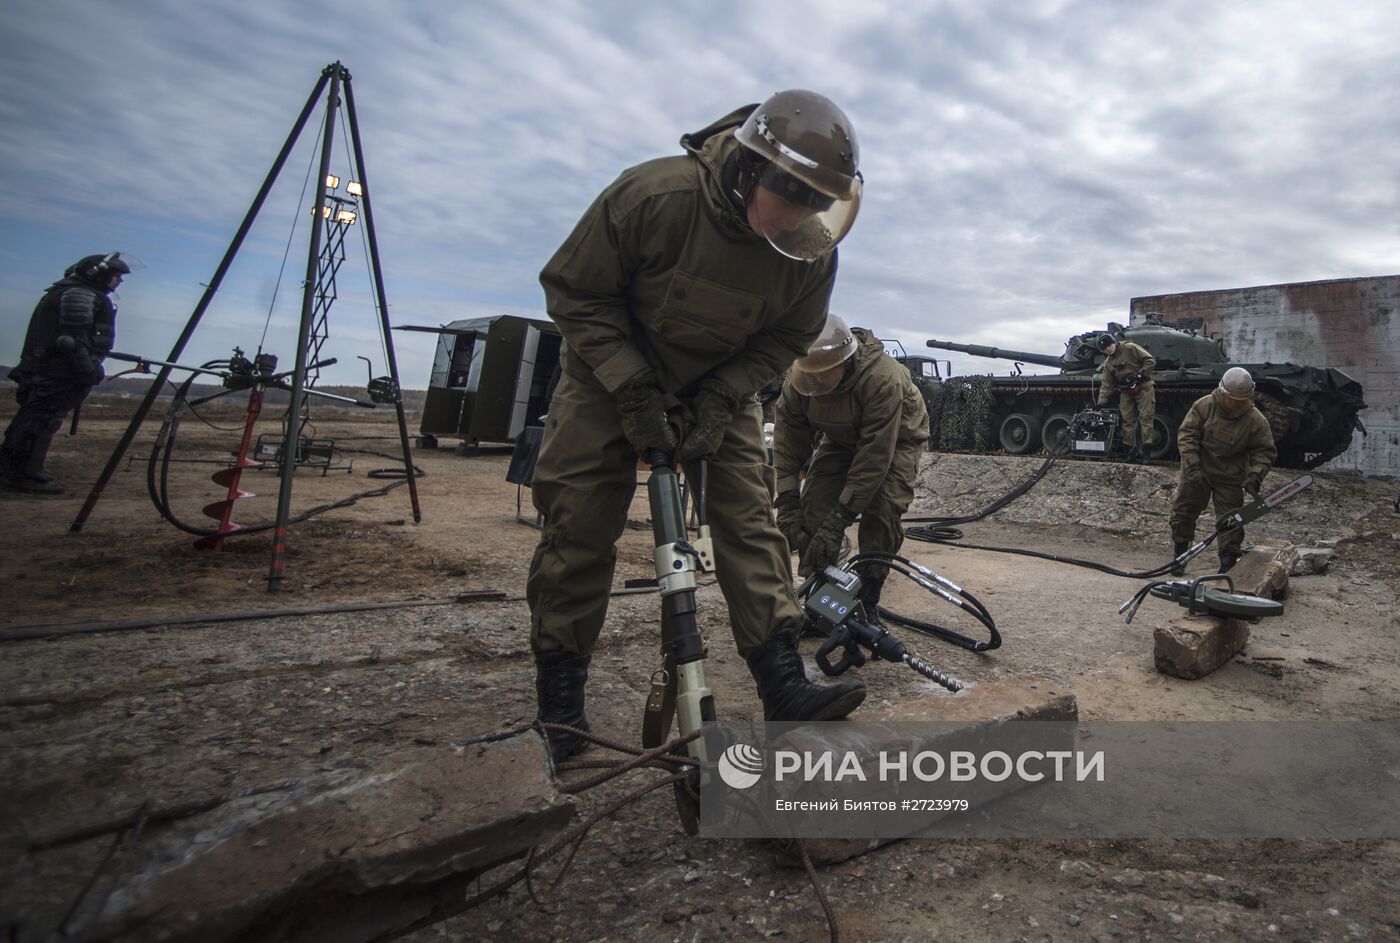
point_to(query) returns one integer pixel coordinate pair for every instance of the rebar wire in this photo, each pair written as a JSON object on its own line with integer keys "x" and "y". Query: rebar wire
{"x": 821, "y": 895}
{"x": 133, "y": 827}
{"x": 573, "y": 839}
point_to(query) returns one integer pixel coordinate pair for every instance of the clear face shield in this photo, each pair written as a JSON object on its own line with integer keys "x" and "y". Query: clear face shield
{"x": 819, "y": 383}
{"x": 824, "y": 366}
{"x": 798, "y": 220}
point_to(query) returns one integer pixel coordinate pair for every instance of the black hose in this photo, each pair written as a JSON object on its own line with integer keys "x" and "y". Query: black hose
{"x": 158, "y": 486}
{"x": 939, "y": 529}
{"x": 943, "y": 588}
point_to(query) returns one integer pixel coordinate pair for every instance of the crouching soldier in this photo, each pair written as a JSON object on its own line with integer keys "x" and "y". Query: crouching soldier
{"x": 1226, "y": 450}
{"x": 873, "y": 427}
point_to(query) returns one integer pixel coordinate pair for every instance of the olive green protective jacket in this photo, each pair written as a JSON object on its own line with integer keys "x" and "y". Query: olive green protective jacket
{"x": 1228, "y": 450}
{"x": 874, "y": 413}
{"x": 1127, "y": 362}
{"x": 663, "y": 273}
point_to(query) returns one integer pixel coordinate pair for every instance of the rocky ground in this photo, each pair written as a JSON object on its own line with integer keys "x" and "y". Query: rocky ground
{"x": 93, "y": 725}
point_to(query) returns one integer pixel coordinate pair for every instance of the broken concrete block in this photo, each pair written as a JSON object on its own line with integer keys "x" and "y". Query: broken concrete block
{"x": 1264, "y": 570}
{"x": 1312, "y": 560}
{"x": 1192, "y": 646}
{"x": 977, "y": 710}
{"x": 348, "y": 855}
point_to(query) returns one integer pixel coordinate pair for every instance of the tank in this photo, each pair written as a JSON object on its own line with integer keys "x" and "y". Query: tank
{"x": 1312, "y": 410}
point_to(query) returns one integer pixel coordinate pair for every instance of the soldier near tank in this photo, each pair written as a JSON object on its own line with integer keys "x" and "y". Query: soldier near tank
{"x": 1127, "y": 370}
{"x": 1226, "y": 450}
{"x": 873, "y": 426}
{"x": 70, "y": 332}
{"x": 690, "y": 283}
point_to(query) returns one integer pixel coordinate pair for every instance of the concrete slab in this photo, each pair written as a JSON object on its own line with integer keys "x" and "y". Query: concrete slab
{"x": 1312, "y": 560}
{"x": 1192, "y": 646}
{"x": 346, "y": 855}
{"x": 976, "y": 710}
{"x": 1264, "y": 571}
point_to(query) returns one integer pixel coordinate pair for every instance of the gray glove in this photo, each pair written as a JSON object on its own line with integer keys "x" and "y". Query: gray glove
{"x": 642, "y": 407}
{"x": 1252, "y": 484}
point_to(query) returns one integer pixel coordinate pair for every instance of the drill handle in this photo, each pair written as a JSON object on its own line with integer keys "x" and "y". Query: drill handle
{"x": 852, "y": 657}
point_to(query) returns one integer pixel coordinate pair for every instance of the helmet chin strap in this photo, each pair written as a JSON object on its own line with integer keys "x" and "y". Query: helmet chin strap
{"x": 741, "y": 176}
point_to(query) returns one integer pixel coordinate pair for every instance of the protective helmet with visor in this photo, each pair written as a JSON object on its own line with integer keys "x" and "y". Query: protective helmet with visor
{"x": 824, "y": 366}
{"x": 808, "y": 191}
{"x": 99, "y": 269}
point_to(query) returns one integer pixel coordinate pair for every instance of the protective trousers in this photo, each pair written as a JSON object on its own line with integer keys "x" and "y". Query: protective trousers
{"x": 1192, "y": 496}
{"x": 584, "y": 484}
{"x": 45, "y": 398}
{"x": 879, "y": 528}
{"x": 1137, "y": 412}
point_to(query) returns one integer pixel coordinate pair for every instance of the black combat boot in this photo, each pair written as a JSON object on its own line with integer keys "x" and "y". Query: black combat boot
{"x": 559, "y": 680}
{"x": 1179, "y": 569}
{"x": 869, "y": 596}
{"x": 1228, "y": 559}
{"x": 27, "y": 473}
{"x": 786, "y": 693}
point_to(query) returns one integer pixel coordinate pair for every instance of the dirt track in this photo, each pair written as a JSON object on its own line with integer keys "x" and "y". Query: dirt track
{"x": 93, "y": 725}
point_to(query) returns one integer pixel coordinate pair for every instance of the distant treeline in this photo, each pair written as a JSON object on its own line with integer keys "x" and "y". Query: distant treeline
{"x": 136, "y": 387}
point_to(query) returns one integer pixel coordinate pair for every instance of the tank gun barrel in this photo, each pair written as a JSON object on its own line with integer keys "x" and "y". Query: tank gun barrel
{"x": 998, "y": 353}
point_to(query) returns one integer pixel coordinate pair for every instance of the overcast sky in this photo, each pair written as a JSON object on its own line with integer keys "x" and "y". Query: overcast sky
{"x": 1029, "y": 166}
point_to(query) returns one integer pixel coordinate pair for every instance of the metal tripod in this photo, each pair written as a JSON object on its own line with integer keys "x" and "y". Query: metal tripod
{"x": 334, "y": 80}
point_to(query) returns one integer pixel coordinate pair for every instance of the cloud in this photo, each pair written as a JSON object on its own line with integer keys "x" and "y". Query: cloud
{"x": 1026, "y": 163}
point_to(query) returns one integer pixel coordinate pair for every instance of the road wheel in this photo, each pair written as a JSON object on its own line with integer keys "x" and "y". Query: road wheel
{"x": 1054, "y": 432}
{"x": 1164, "y": 442}
{"x": 1020, "y": 434}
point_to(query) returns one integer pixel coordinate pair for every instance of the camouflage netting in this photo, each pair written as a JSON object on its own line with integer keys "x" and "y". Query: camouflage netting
{"x": 960, "y": 415}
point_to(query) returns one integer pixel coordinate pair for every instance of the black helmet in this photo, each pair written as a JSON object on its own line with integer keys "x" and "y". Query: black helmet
{"x": 98, "y": 268}
{"x": 1105, "y": 341}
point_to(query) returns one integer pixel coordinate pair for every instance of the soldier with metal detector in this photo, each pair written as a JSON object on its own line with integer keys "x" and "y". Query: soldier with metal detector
{"x": 70, "y": 333}
{"x": 1127, "y": 371}
{"x": 690, "y": 283}
{"x": 874, "y": 427}
{"x": 1226, "y": 450}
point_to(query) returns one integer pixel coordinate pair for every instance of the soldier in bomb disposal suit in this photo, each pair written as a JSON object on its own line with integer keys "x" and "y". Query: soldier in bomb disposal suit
{"x": 70, "y": 333}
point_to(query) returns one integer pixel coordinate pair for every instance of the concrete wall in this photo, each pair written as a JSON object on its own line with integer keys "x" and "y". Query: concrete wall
{"x": 1351, "y": 324}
